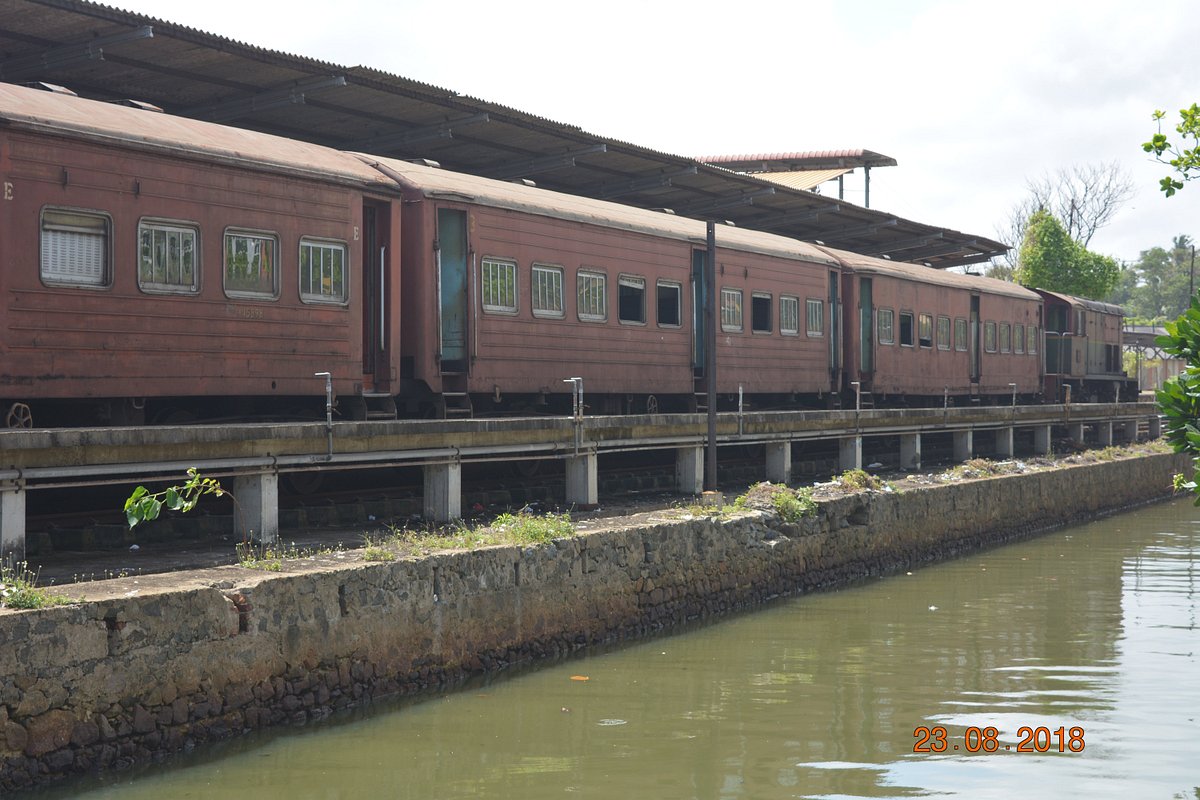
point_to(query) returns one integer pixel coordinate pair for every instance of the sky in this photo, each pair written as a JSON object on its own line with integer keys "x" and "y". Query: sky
{"x": 973, "y": 99}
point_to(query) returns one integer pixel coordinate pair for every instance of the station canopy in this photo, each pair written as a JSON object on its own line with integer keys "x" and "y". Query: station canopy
{"x": 108, "y": 54}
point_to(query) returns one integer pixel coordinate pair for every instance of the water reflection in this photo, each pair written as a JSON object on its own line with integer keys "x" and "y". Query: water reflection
{"x": 816, "y": 697}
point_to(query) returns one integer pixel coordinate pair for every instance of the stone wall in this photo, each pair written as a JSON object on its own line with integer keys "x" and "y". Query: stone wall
{"x": 148, "y": 666}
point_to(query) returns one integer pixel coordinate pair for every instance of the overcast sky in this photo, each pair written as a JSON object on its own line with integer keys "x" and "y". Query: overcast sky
{"x": 971, "y": 98}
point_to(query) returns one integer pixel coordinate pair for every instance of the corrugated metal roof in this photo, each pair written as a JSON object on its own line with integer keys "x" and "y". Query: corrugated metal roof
{"x": 805, "y": 180}
{"x": 102, "y": 52}
{"x": 806, "y": 159}
{"x": 861, "y": 263}
{"x": 1091, "y": 305}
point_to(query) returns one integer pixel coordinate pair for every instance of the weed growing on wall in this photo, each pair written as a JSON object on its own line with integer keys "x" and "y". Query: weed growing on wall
{"x": 792, "y": 505}
{"x": 19, "y": 589}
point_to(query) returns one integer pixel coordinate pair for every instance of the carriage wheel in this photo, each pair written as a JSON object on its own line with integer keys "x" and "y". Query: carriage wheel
{"x": 651, "y": 405}
{"x": 19, "y": 416}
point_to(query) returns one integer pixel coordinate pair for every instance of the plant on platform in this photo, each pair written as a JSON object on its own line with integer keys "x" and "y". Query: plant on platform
{"x": 858, "y": 480}
{"x": 144, "y": 505}
{"x": 526, "y": 528}
{"x": 792, "y": 505}
{"x": 523, "y": 527}
{"x": 19, "y": 589}
{"x": 376, "y": 549}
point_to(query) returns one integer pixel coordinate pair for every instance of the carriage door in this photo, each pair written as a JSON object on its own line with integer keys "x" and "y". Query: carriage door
{"x": 974, "y": 343}
{"x": 451, "y": 250}
{"x": 866, "y": 316}
{"x": 375, "y": 237}
{"x": 699, "y": 304}
{"x": 835, "y": 333}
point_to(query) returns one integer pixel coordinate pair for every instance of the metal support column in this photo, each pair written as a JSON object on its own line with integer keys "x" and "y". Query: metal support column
{"x": 964, "y": 445}
{"x": 910, "y": 451}
{"x": 258, "y": 506}
{"x": 689, "y": 470}
{"x": 850, "y": 453}
{"x": 12, "y": 523}
{"x": 582, "y": 486}
{"x": 443, "y": 492}
{"x": 779, "y": 462}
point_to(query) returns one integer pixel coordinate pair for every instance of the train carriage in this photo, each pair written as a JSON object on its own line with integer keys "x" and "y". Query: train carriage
{"x": 1083, "y": 350}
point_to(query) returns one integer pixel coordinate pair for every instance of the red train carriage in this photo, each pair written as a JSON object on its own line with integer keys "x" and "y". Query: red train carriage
{"x": 1083, "y": 350}
{"x": 510, "y": 290}
{"x": 917, "y": 334}
{"x": 162, "y": 268}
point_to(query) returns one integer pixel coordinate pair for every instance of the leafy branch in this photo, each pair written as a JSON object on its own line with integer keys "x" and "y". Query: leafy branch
{"x": 1185, "y": 160}
{"x": 144, "y": 506}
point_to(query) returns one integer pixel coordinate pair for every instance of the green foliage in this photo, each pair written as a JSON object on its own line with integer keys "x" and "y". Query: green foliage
{"x": 1179, "y": 399}
{"x": 792, "y": 505}
{"x": 522, "y": 528}
{"x": 1050, "y": 259}
{"x": 144, "y": 506}
{"x": 19, "y": 589}
{"x": 526, "y": 528}
{"x": 857, "y": 480}
{"x": 1183, "y": 159}
{"x": 1157, "y": 287}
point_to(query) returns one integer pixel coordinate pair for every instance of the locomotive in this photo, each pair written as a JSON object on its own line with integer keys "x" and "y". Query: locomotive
{"x": 160, "y": 269}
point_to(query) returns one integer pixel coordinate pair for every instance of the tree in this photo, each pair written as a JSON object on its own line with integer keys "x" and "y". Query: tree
{"x": 1184, "y": 159}
{"x": 1179, "y": 399}
{"x": 1051, "y": 259}
{"x": 1084, "y": 197}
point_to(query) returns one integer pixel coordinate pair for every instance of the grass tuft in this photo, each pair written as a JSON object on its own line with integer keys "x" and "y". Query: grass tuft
{"x": 19, "y": 589}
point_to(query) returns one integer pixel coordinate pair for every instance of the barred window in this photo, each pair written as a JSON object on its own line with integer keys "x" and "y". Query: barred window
{"x": 906, "y": 329}
{"x": 960, "y": 334}
{"x": 731, "y": 310}
{"x": 75, "y": 247}
{"x": 1005, "y": 337}
{"x": 789, "y": 315}
{"x": 1019, "y": 339}
{"x": 167, "y": 257}
{"x": 322, "y": 271}
{"x": 989, "y": 337}
{"x": 593, "y": 296}
{"x": 1033, "y": 340}
{"x": 760, "y": 313}
{"x": 547, "y": 290}
{"x": 631, "y": 299}
{"x": 925, "y": 330}
{"x": 816, "y": 317}
{"x": 499, "y": 286}
{"x": 886, "y": 322}
{"x": 943, "y": 333}
{"x": 670, "y": 304}
{"x": 251, "y": 269}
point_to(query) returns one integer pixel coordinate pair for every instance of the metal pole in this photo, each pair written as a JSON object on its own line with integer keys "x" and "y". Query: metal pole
{"x": 710, "y": 356}
{"x": 1192, "y": 275}
{"x": 328, "y": 376}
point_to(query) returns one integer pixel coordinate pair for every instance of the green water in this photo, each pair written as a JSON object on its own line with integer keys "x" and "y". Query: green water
{"x": 817, "y": 697}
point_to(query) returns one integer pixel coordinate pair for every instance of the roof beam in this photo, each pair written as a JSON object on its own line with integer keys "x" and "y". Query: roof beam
{"x": 903, "y": 244}
{"x": 402, "y": 139}
{"x": 603, "y": 191}
{"x": 746, "y": 199}
{"x": 41, "y": 64}
{"x": 534, "y": 166}
{"x": 261, "y": 101}
{"x": 963, "y": 261}
{"x": 850, "y": 232}
{"x": 948, "y": 248}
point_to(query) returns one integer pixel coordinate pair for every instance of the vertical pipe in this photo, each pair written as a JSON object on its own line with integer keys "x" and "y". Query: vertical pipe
{"x": 867, "y": 187}
{"x": 710, "y": 357}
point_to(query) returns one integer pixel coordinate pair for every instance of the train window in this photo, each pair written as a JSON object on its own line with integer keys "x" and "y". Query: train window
{"x": 816, "y": 317}
{"x": 167, "y": 257}
{"x": 989, "y": 337}
{"x": 1080, "y": 322}
{"x": 1005, "y": 337}
{"x": 943, "y": 333}
{"x": 631, "y": 299}
{"x": 592, "y": 301}
{"x": 670, "y": 304}
{"x": 960, "y": 334}
{"x": 547, "y": 289}
{"x": 499, "y": 286}
{"x": 789, "y": 315}
{"x": 75, "y": 247}
{"x": 906, "y": 329}
{"x": 1033, "y": 340}
{"x": 322, "y": 271}
{"x": 886, "y": 321}
{"x": 760, "y": 313}
{"x": 731, "y": 310}
{"x": 925, "y": 330}
{"x": 251, "y": 269}
{"x": 1019, "y": 339}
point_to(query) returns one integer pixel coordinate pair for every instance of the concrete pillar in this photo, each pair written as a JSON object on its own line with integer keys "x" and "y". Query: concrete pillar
{"x": 850, "y": 453}
{"x": 964, "y": 445}
{"x": 1041, "y": 440}
{"x": 1129, "y": 431}
{"x": 910, "y": 451}
{"x": 1004, "y": 442}
{"x": 779, "y": 462}
{"x": 1075, "y": 432}
{"x": 258, "y": 505}
{"x": 689, "y": 470}
{"x": 12, "y": 524}
{"x": 443, "y": 492}
{"x": 581, "y": 480}
{"x": 1104, "y": 433}
{"x": 1155, "y": 426}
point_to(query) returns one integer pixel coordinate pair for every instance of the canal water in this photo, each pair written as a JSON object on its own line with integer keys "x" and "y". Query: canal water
{"x": 1080, "y": 647}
